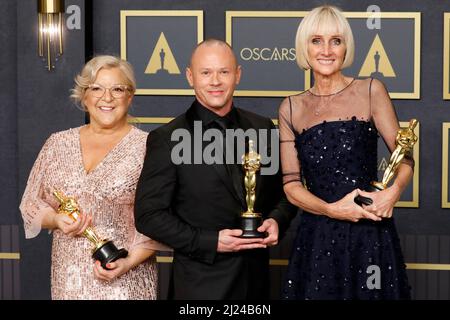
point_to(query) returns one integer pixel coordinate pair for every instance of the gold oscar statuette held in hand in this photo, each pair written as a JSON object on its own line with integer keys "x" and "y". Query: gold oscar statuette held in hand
{"x": 250, "y": 220}
{"x": 404, "y": 141}
{"x": 104, "y": 250}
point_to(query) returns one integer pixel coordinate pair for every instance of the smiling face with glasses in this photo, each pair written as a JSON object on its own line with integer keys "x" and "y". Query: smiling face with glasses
{"x": 118, "y": 91}
{"x": 107, "y": 99}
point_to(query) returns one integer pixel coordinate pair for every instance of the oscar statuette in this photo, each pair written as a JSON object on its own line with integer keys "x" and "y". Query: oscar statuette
{"x": 104, "y": 250}
{"x": 250, "y": 220}
{"x": 404, "y": 141}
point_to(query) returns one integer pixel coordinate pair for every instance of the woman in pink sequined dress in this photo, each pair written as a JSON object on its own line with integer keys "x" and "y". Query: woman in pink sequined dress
{"x": 99, "y": 165}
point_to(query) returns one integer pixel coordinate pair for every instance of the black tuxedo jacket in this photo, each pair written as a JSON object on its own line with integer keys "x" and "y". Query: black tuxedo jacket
{"x": 186, "y": 205}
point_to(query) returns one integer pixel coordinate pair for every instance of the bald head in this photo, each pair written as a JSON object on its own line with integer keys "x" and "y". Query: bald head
{"x": 213, "y": 73}
{"x": 211, "y": 42}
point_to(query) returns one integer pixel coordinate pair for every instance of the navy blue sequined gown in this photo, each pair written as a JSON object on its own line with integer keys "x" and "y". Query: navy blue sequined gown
{"x": 335, "y": 259}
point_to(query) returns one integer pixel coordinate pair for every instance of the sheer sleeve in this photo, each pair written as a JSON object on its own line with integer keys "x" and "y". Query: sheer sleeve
{"x": 32, "y": 206}
{"x": 290, "y": 164}
{"x": 142, "y": 241}
{"x": 385, "y": 118}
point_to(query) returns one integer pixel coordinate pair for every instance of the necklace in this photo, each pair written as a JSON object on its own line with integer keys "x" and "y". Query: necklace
{"x": 323, "y": 104}
{"x": 325, "y": 99}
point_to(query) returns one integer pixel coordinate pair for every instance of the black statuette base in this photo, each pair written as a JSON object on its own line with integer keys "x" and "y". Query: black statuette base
{"x": 108, "y": 253}
{"x": 360, "y": 200}
{"x": 249, "y": 227}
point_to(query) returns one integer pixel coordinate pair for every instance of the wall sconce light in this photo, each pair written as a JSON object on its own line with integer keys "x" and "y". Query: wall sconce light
{"x": 50, "y": 20}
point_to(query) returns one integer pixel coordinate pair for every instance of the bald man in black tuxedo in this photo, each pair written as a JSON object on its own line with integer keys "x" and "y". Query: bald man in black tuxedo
{"x": 196, "y": 208}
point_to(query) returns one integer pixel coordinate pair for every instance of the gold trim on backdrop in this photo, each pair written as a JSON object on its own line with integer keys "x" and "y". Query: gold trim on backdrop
{"x": 284, "y": 262}
{"x": 428, "y": 266}
{"x": 9, "y": 256}
{"x": 256, "y": 93}
{"x": 414, "y": 203}
{"x": 168, "y": 92}
{"x": 160, "y": 259}
{"x": 446, "y": 70}
{"x": 445, "y": 201}
{"x": 152, "y": 120}
{"x": 264, "y": 14}
{"x": 158, "y": 13}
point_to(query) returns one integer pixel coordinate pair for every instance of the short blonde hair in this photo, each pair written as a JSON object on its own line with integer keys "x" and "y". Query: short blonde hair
{"x": 92, "y": 67}
{"x": 323, "y": 20}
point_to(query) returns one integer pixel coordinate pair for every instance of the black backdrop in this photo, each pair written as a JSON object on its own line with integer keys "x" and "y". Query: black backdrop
{"x": 35, "y": 103}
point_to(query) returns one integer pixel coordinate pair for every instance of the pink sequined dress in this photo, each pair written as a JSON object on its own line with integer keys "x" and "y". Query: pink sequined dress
{"x": 107, "y": 193}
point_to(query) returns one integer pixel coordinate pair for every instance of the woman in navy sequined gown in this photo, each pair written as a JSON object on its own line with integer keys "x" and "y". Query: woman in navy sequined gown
{"x": 329, "y": 155}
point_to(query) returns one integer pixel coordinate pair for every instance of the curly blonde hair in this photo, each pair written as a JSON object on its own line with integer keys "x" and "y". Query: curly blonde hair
{"x": 90, "y": 70}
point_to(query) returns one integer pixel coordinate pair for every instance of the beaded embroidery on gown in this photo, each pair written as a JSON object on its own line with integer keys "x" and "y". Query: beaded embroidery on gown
{"x": 336, "y": 152}
{"x": 107, "y": 193}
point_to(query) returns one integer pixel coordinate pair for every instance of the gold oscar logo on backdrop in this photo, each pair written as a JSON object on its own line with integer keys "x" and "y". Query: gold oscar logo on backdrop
{"x": 162, "y": 60}
{"x": 377, "y": 63}
{"x": 383, "y": 164}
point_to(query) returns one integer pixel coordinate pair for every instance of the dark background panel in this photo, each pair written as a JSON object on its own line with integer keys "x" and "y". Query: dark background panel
{"x": 36, "y": 104}
{"x": 9, "y": 268}
{"x": 141, "y": 45}
{"x": 401, "y": 58}
{"x": 42, "y": 107}
{"x": 270, "y": 34}
{"x": 8, "y": 113}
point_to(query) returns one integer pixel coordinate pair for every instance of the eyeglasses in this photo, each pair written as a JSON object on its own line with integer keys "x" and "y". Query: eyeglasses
{"x": 117, "y": 91}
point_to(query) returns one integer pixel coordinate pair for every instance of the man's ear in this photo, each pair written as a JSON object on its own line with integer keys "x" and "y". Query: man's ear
{"x": 189, "y": 76}
{"x": 238, "y": 74}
